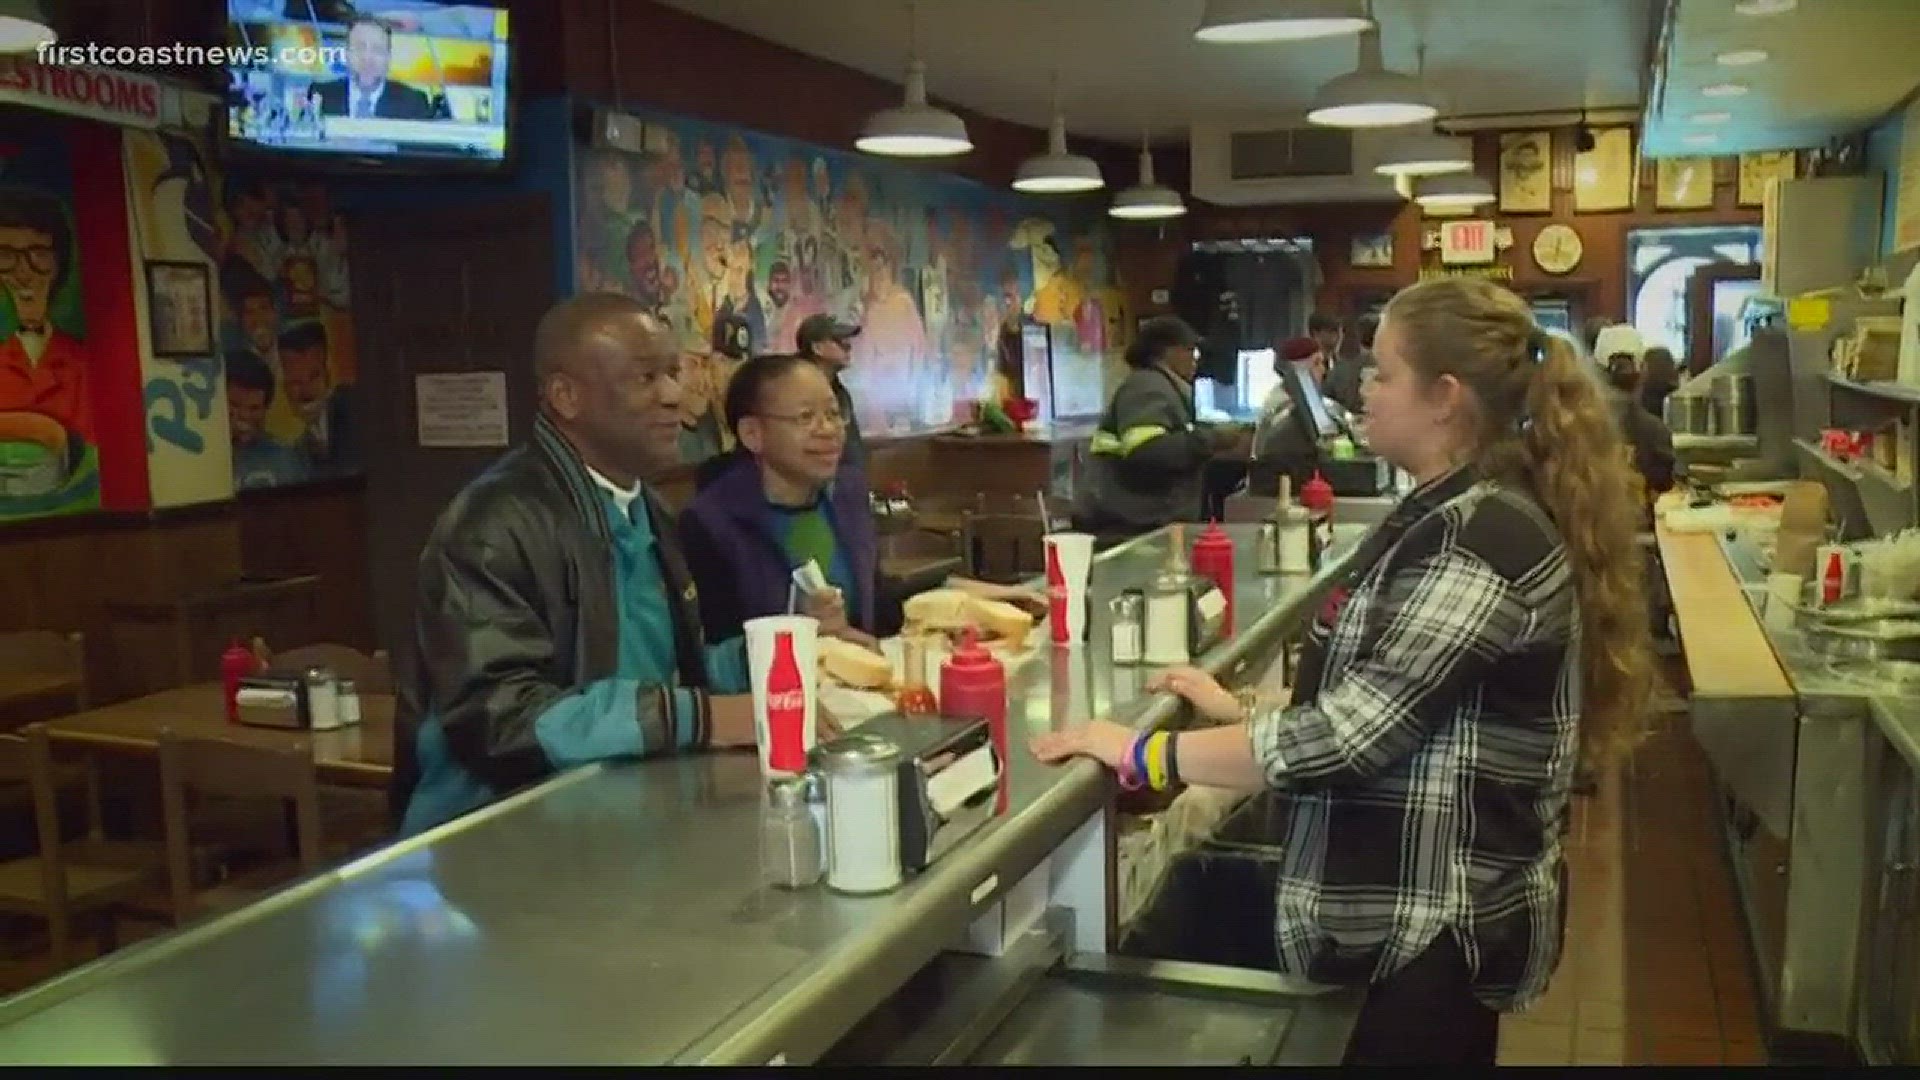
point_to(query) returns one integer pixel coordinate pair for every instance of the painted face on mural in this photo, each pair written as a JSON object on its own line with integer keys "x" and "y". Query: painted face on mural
{"x": 247, "y": 412}
{"x": 643, "y": 263}
{"x": 260, "y": 323}
{"x": 615, "y": 184}
{"x": 369, "y": 53}
{"x": 716, "y": 234}
{"x": 303, "y": 374}
{"x": 779, "y": 284}
{"x": 28, "y": 265}
{"x": 736, "y": 167}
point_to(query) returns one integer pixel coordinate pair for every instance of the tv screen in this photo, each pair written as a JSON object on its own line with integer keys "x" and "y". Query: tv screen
{"x": 1307, "y": 392}
{"x": 372, "y": 82}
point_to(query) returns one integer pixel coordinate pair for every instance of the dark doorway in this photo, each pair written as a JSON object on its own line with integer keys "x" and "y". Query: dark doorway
{"x": 445, "y": 289}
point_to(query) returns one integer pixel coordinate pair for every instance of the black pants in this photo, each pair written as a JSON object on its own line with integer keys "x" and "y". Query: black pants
{"x": 1426, "y": 1014}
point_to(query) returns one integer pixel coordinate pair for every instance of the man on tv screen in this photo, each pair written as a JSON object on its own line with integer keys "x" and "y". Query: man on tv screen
{"x": 366, "y": 91}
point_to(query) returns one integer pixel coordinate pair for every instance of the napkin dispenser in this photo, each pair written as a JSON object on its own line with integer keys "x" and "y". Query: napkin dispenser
{"x": 1206, "y": 614}
{"x": 273, "y": 701}
{"x": 948, "y": 775}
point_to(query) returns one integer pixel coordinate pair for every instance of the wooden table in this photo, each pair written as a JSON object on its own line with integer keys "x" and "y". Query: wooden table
{"x": 30, "y": 695}
{"x": 357, "y": 756}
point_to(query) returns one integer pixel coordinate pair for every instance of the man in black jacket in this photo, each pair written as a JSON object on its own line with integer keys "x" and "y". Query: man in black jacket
{"x": 557, "y": 624}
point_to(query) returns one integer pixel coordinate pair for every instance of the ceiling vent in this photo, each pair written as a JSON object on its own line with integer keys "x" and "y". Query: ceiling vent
{"x": 1251, "y": 163}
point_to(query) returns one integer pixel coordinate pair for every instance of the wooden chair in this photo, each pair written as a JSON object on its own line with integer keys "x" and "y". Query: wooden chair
{"x": 237, "y": 770}
{"x": 370, "y": 674}
{"x": 41, "y": 672}
{"x": 60, "y": 882}
{"x": 1004, "y": 548}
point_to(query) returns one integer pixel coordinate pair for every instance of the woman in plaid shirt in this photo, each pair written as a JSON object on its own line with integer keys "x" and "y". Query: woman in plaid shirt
{"x": 1491, "y": 634}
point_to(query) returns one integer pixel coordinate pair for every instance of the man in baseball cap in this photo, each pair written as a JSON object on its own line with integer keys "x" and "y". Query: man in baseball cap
{"x": 828, "y": 342}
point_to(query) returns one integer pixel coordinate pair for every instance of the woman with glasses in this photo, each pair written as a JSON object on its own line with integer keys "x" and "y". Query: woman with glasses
{"x": 776, "y": 506}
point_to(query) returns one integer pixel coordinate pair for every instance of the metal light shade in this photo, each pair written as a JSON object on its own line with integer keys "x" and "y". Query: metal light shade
{"x": 1424, "y": 153}
{"x": 24, "y": 26}
{"x": 1455, "y": 189}
{"x": 1057, "y": 171}
{"x": 1147, "y": 200}
{"x": 1235, "y": 22}
{"x": 1370, "y": 95}
{"x": 914, "y": 129}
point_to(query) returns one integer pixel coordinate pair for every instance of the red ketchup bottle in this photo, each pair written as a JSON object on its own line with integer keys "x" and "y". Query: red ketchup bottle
{"x": 974, "y": 685}
{"x": 1317, "y": 495}
{"x": 235, "y": 664}
{"x": 1213, "y": 558}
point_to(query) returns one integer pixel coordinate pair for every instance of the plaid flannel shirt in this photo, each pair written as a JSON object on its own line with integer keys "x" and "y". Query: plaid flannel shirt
{"x": 1426, "y": 761}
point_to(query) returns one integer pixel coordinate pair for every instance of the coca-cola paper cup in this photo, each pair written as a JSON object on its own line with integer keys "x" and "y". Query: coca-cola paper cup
{"x": 1069, "y": 561}
{"x": 783, "y": 665}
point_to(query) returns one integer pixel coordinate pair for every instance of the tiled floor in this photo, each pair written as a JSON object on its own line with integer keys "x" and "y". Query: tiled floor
{"x": 1656, "y": 969}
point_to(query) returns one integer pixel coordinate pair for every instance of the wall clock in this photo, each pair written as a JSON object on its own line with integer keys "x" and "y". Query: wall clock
{"x": 1557, "y": 249}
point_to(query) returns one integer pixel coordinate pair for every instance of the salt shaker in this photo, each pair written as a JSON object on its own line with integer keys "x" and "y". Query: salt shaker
{"x": 789, "y": 842}
{"x": 863, "y": 814}
{"x": 347, "y": 702}
{"x": 323, "y": 700}
{"x": 1129, "y": 623}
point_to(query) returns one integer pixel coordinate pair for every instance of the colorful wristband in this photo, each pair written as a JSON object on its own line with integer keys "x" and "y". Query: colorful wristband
{"x": 1173, "y": 760}
{"x": 1157, "y": 760}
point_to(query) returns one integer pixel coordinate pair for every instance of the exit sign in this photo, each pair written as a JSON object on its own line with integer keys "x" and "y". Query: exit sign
{"x": 1466, "y": 242}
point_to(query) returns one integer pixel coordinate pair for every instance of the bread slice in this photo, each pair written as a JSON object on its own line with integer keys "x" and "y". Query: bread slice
{"x": 938, "y": 610}
{"x": 850, "y": 665}
{"x": 1000, "y": 620}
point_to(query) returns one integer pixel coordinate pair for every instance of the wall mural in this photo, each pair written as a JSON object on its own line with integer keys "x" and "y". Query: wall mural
{"x": 286, "y": 334}
{"x": 171, "y": 183}
{"x": 714, "y": 224}
{"x": 49, "y": 461}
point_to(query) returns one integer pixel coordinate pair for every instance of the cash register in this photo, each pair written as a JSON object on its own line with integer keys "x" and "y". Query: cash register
{"x": 1320, "y": 440}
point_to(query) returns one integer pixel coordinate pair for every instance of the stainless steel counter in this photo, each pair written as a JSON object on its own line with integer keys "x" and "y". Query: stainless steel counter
{"x": 610, "y": 915}
{"x": 1800, "y": 859}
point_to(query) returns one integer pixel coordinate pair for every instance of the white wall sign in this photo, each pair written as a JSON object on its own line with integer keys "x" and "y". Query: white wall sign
{"x": 462, "y": 409}
{"x": 117, "y": 97}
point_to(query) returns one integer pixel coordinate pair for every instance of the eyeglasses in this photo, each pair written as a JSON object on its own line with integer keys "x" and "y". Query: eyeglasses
{"x": 39, "y": 256}
{"x": 811, "y": 419}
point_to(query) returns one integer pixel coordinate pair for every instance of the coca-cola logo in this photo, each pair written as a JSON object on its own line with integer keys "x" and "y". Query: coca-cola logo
{"x": 786, "y": 700}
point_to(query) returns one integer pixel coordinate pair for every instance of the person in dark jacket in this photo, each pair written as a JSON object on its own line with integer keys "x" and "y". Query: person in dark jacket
{"x": 1348, "y": 374}
{"x": 557, "y": 624}
{"x": 785, "y": 501}
{"x": 1149, "y": 451}
{"x": 1619, "y": 351}
{"x": 1659, "y": 378}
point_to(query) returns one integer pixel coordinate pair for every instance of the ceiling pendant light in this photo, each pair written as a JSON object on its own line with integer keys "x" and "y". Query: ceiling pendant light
{"x": 24, "y": 26}
{"x": 1058, "y": 172}
{"x": 1147, "y": 200}
{"x": 1370, "y": 95}
{"x": 1425, "y": 153}
{"x": 1236, "y": 22}
{"x": 1454, "y": 190}
{"x": 915, "y": 128}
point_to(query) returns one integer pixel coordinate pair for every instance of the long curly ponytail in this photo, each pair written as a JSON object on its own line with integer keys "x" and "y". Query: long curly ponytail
{"x": 1545, "y": 422}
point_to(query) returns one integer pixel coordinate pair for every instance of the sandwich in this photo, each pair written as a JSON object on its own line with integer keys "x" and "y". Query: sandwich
{"x": 950, "y": 611}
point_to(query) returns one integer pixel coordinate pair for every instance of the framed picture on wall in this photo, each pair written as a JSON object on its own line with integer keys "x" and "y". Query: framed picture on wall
{"x": 1603, "y": 177}
{"x": 1683, "y": 183}
{"x": 1759, "y": 170}
{"x": 1372, "y": 251}
{"x": 179, "y": 309}
{"x": 1526, "y": 172}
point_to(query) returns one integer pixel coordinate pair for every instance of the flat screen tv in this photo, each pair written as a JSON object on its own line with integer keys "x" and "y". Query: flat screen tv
{"x": 383, "y": 84}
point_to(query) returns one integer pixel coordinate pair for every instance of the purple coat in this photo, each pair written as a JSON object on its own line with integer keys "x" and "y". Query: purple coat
{"x": 737, "y": 562}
